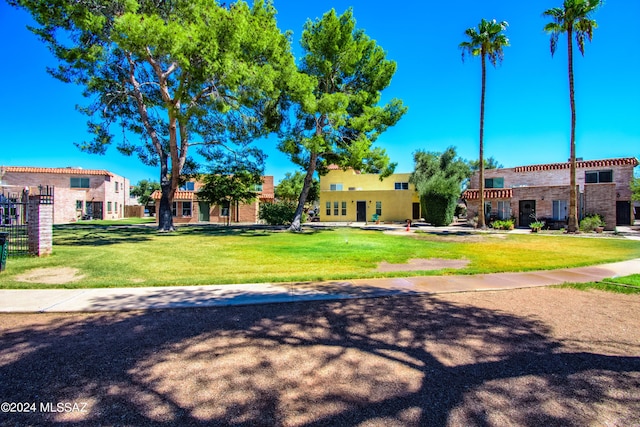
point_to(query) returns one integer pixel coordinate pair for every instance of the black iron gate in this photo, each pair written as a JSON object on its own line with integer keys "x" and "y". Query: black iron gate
{"x": 14, "y": 216}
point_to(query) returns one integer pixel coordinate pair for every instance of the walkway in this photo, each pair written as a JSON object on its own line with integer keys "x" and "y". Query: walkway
{"x": 121, "y": 299}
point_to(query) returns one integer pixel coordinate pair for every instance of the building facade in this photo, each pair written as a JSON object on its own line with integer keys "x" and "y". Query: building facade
{"x": 351, "y": 196}
{"x": 188, "y": 209}
{"x": 79, "y": 193}
{"x": 541, "y": 192}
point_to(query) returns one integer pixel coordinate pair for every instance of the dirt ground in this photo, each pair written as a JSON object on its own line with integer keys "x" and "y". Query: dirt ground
{"x": 532, "y": 357}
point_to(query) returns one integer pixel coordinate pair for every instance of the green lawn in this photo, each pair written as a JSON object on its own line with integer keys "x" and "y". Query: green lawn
{"x": 630, "y": 285}
{"x": 115, "y": 256}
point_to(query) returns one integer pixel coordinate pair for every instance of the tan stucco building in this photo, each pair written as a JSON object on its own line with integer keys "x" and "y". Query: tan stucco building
{"x": 351, "y": 196}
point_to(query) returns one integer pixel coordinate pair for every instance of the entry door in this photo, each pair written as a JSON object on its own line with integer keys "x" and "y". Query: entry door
{"x": 623, "y": 213}
{"x": 203, "y": 211}
{"x": 94, "y": 210}
{"x": 416, "y": 211}
{"x": 361, "y": 210}
{"x": 527, "y": 212}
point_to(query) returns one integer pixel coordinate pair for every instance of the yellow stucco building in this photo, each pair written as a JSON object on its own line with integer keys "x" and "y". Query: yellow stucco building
{"x": 351, "y": 196}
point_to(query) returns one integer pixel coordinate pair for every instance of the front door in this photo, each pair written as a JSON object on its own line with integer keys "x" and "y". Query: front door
{"x": 416, "y": 211}
{"x": 361, "y": 211}
{"x": 203, "y": 211}
{"x": 527, "y": 212}
{"x": 94, "y": 210}
{"x": 623, "y": 213}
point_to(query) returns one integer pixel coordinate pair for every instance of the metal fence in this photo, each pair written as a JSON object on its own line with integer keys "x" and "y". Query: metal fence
{"x": 14, "y": 215}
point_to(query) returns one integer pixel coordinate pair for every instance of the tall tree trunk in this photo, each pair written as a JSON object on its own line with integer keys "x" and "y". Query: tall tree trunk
{"x": 481, "y": 219}
{"x": 572, "y": 225}
{"x": 165, "y": 216}
{"x": 296, "y": 224}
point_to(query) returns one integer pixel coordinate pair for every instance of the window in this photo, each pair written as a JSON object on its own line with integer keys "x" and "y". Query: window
{"x": 115, "y": 207}
{"x": 344, "y": 208}
{"x": 560, "y": 210}
{"x": 117, "y": 186}
{"x": 401, "y": 185}
{"x": 494, "y": 183}
{"x": 186, "y": 208}
{"x": 504, "y": 210}
{"x": 188, "y": 186}
{"x": 598, "y": 176}
{"x": 174, "y": 209}
{"x": 379, "y": 208}
{"x": 487, "y": 209}
{"x": 335, "y": 187}
{"x": 79, "y": 204}
{"x": 109, "y": 207}
{"x": 79, "y": 183}
{"x": 257, "y": 188}
{"x": 224, "y": 209}
{"x": 335, "y": 208}
{"x": 328, "y": 205}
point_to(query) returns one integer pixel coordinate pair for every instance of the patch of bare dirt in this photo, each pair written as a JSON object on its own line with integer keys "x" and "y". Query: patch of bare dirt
{"x": 529, "y": 357}
{"x": 51, "y": 276}
{"x": 419, "y": 264}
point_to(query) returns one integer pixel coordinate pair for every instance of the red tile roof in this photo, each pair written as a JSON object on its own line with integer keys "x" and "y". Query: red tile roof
{"x": 493, "y": 193}
{"x": 631, "y": 161}
{"x": 66, "y": 171}
{"x": 179, "y": 195}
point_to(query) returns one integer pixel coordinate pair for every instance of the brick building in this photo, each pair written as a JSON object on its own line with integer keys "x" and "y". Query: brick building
{"x": 187, "y": 208}
{"x": 542, "y": 191}
{"x": 79, "y": 193}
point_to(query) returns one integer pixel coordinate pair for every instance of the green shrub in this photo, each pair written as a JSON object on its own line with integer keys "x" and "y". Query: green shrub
{"x": 279, "y": 213}
{"x": 503, "y": 224}
{"x": 591, "y": 222}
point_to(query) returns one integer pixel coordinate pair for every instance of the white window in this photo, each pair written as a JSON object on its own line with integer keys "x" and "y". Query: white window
{"x": 174, "y": 209}
{"x": 335, "y": 187}
{"x": 401, "y": 186}
{"x": 328, "y": 206}
{"x": 335, "y": 209}
{"x": 504, "y": 210}
{"x": 188, "y": 186}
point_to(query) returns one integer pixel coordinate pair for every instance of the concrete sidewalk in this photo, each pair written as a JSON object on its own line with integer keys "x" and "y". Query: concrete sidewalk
{"x": 144, "y": 298}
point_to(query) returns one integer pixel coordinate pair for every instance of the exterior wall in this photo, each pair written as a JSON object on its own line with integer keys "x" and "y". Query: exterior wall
{"x": 397, "y": 205}
{"x": 243, "y": 213}
{"x": 601, "y": 199}
{"x": 101, "y": 189}
{"x": 546, "y": 183}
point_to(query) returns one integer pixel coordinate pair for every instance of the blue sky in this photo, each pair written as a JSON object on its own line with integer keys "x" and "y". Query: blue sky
{"x": 527, "y": 106}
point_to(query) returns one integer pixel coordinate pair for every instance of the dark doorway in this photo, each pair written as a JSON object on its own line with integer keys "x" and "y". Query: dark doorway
{"x": 361, "y": 211}
{"x": 623, "y": 213}
{"x": 416, "y": 211}
{"x": 203, "y": 211}
{"x": 94, "y": 210}
{"x": 527, "y": 212}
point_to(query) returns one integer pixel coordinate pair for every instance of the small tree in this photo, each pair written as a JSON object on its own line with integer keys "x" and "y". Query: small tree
{"x": 489, "y": 163}
{"x": 230, "y": 189}
{"x": 143, "y": 190}
{"x": 290, "y": 187}
{"x": 338, "y": 121}
{"x": 635, "y": 189}
{"x": 438, "y": 178}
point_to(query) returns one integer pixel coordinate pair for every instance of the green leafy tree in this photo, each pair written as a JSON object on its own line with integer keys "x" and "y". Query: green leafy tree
{"x": 635, "y": 189}
{"x": 489, "y": 163}
{"x": 290, "y": 187}
{"x": 173, "y": 74}
{"x": 143, "y": 190}
{"x": 231, "y": 184}
{"x": 438, "y": 178}
{"x": 487, "y": 41}
{"x": 574, "y": 19}
{"x": 339, "y": 121}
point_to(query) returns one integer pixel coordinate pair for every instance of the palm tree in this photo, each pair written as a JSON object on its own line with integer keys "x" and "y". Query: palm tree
{"x": 487, "y": 41}
{"x": 574, "y": 17}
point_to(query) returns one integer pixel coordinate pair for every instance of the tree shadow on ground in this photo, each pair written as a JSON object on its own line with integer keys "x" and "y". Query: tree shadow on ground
{"x": 385, "y": 361}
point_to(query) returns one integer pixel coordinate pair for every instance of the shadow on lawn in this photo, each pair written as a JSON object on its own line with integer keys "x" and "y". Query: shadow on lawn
{"x": 98, "y": 235}
{"x": 402, "y": 360}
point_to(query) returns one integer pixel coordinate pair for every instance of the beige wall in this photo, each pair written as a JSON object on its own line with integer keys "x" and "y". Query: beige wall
{"x": 397, "y": 205}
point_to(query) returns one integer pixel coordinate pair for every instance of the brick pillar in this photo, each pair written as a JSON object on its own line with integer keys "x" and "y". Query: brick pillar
{"x": 40, "y": 227}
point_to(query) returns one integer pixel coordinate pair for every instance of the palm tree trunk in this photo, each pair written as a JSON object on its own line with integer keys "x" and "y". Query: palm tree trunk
{"x": 481, "y": 219}
{"x": 572, "y": 225}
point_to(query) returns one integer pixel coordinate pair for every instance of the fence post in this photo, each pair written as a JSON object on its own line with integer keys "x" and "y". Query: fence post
{"x": 40, "y": 227}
